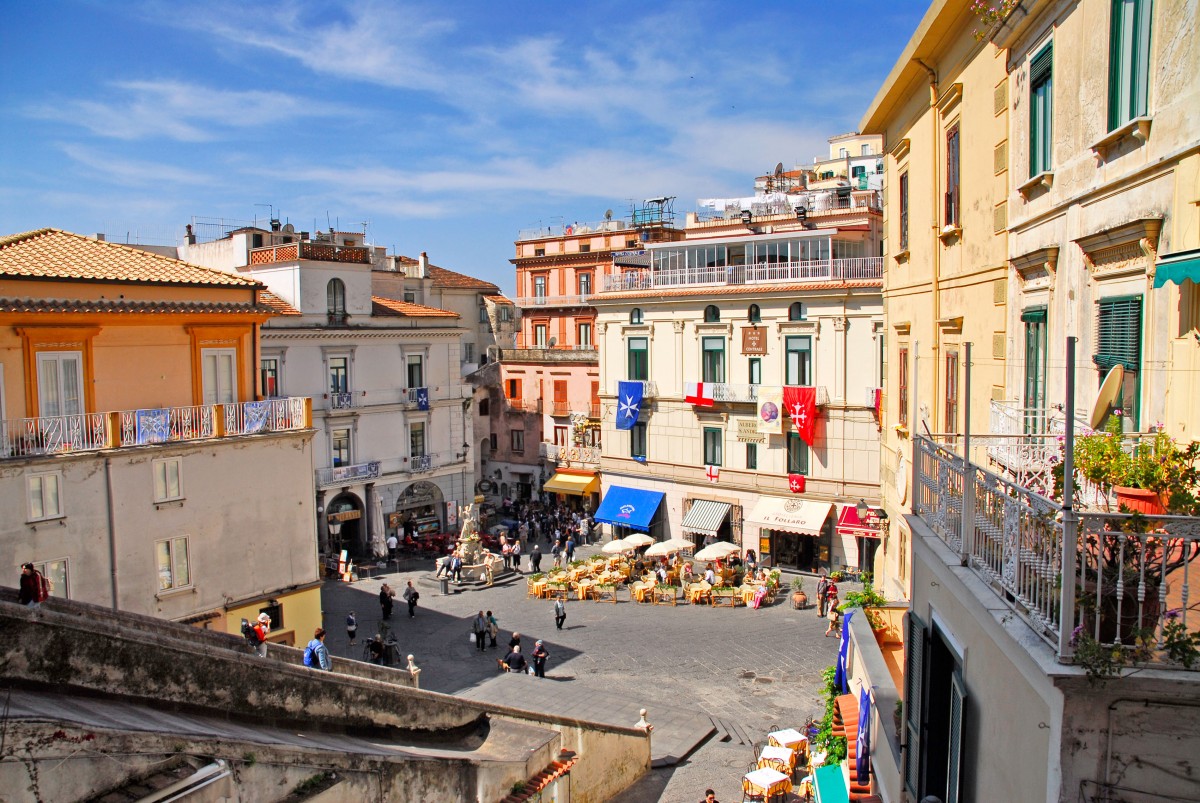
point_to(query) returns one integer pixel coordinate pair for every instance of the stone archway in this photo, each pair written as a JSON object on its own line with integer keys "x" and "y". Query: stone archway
{"x": 346, "y": 509}
{"x": 422, "y": 504}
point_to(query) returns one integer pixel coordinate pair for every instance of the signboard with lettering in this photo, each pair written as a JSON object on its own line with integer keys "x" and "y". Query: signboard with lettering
{"x": 754, "y": 340}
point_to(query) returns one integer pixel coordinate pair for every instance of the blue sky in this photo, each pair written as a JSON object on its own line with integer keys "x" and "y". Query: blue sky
{"x": 448, "y": 127}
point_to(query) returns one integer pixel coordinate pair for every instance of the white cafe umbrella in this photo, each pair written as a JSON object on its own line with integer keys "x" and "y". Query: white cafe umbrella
{"x": 681, "y": 544}
{"x": 638, "y": 539}
{"x": 669, "y": 547}
{"x": 378, "y": 537}
{"x": 717, "y": 551}
{"x": 617, "y": 547}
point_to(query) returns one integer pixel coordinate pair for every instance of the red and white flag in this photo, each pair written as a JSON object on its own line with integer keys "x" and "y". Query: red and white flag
{"x": 801, "y": 404}
{"x": 796, "y": 483}
{"x": 713, "y": 473}
{"x": 698, "y": 393}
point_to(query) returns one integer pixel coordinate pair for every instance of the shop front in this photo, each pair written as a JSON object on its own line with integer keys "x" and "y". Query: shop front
{"x": 706, "y": 522}
{"x": 418, "y": 511}
{"x": 859, "y": 535}
{"x": 575, "y": 490}
{"x": 795, "y": 533}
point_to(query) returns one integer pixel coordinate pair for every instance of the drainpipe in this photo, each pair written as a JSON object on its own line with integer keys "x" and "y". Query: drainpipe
{"x": 935, "y": 288}
{"x": 112, "y": 530}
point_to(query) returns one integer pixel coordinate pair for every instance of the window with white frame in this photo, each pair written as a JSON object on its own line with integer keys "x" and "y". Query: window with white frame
{"x": 171, "y": 557}
{"x": 517, "y": 440}
{"x": 1129, "y": 61}
{"x": 416, "y": 439}
{"x": 585, "y": 335}
{"x": 268, "y": 368}
{"x": 339, "y": 448}
{"x": 219, "y": 375}
{"x": 468, "y": 352}
{"x": 638, "y": 439}
{"x": 416, "y": 371}
{"x": 60, "y": 383}
{"x": 45, "y": 495}
{"x": 797, "y": 360}
{"x": 168, "y": 479}
{"x": 56, "y": 572}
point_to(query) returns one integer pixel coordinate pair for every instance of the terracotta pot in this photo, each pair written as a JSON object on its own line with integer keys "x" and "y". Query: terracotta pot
{"x": 799, "y": 600}
{"x": 1128, "y": 624}
{"x": 1139, "y": 500}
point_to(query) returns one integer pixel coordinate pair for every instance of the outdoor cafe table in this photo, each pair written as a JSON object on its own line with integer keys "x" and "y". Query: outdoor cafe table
{"x": 777, "y": 758}
{"x": 789, "y": 737}
{"x": 584, "y": 587}
{"x": 766, "y": 782}
{"x": 748, "y": 593}
{"x": 538, "y": 587}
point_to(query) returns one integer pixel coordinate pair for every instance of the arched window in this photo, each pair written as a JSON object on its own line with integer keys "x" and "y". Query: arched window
{"x": 754, "y": 314}
{"x": 796, "y": 311}
{"x": 635, "y": 316}
{"x": 712, "y": 314}
{"x": 336, "y": 292}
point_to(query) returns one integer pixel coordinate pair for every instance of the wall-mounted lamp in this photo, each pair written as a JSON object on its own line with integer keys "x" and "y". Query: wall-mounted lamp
{"x": 862, "y": 509}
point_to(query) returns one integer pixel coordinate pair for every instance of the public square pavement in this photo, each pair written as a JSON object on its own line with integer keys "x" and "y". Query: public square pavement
{"x": 746, "y": 671}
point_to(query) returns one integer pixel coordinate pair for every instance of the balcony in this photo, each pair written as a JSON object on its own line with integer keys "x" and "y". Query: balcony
{"x": 649, "y": 389}
{"x": 538, "y": 302}
{"x": 562, "y": 454}
{"x": 51, "y": 435}
{"x": 524, "y": 405}
{"x": 319, "y": 252}
{"x": 762, "y": 274}
{"x": 564, "y": 408}
{"x": 725, "y": 393}
{"x": 355, "y": 399}
{"x": 545, "y": 354}
{"x": 1131, "y": 572}
{"x": 347, "y": 475}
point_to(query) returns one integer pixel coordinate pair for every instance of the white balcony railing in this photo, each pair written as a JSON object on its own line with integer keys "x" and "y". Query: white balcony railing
{"x": 124, "y": 428}
{"x": 649, "y": 389}
{"x": 577, "y": 300}
{"x": 816, "y": 270}
{"x": 726, "y": 393}
{"x": 355, "y": 399}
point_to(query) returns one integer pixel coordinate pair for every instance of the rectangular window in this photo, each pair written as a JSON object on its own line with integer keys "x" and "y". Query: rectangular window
{"x": 56, "y": 572}
{"x": 410, "y": 297}
{"x": 514, "y": 388}
{"x": 339, "y": 448}
{"x": 416, "y": 439}
{"x": 637, "y": 440}
{"x": 1041, "y": 105}
{"x": 866, "y": 150}
{"x": 904, "y": 211}
{"x": 416, "y": 371}
{"x": 1034, "y": 319}
{"x": 492, "y": 441}
{"x": 752, "y": 456}
{"x": 585, "y": 335}
{"x": 756, "y": 370}
{"x": 1128, "y": 61}
{"x": 902, "y": 394}
{"x": 585, "y": 284}
{"x": 639, "y": 359}
{"x": 172, "y": 559}
{"x": 858, "y": 170}
{"x": 45, "y": 499}
{"x": 168, "y": 479}
{"x": 517, "y": 440}
{"x": 797, "y": 454}
{"x": 952, "y": 215}
{"x": 951, "y": 391}
{"x": 713, "y": 363}
{"x": 468, "y": 352}
{"x": 712, "y": 446}
{"x": 60, "y": 383}
{"x": 483, "y": 315}
{"x": 560, "y": 435}
{"x": 539, "y": 335}
{"x": 339, "y": 374}
{"x": 1119, "y": 342}
{"x": 505, "y": 313}
{"x": 539, "y": 286}
{"x": 268, "y": 368}
{"x": 219, "y": 375}
{"x": 797, "y": 366}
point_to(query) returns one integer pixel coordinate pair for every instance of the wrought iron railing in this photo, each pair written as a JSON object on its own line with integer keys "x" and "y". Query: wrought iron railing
{"x": 649, "y": 389}
{"x": 341, "y": 401}
{"x": 24, "y": 437}
{"x": 570, "y": 454}
{"x": 269, "y": 415}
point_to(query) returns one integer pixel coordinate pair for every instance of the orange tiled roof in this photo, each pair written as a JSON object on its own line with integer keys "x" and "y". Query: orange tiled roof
{"x": 390, "y": 306}
{"x": 105, "y": 305}
{"x": 498, "y": 299}
{"x": 57, "y": 254}
{"x": 669, "y": 292}
{"x": 276, "y": 304}
{"x": 448, "y": 278}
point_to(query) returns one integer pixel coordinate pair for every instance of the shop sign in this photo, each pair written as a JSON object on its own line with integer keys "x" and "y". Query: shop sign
{"x": 747, "y": 431}
{"x": 754, "y": 340}
{"x": 764, "y": 543}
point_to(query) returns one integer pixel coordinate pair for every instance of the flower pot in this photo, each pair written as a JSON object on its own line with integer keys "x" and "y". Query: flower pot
{"x": 799, "y": 600}
{"x": 1139, "y": 500}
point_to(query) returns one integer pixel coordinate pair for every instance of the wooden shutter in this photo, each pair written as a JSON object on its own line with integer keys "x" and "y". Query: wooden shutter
{"x": 914, "y": 678}
{"x": 958, "y": 699}
{"x": 1119, "y": 333}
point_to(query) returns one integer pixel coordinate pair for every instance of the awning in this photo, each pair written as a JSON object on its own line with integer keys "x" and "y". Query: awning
{"x": 850, "y": 524}
{"x": 1178, "y": 267}
{"x": 577, "y": 484}
{"x": 628, "y": 507}
{"x": 791, "y": 515}
{"x": 831, "y": 784}
{"x": 705, "y": 517}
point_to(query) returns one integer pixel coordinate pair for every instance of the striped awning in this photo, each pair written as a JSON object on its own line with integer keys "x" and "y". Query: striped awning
{"x": 705, "y": 517}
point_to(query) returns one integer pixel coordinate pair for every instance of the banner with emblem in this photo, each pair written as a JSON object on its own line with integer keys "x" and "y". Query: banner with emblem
{"x": 629, "y": 403}
{"x": 801, "y": 405}
{"x": 770, "y": 409}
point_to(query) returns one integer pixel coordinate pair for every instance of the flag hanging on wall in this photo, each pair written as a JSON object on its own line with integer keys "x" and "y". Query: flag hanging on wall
{"x": 629, "y": 403}
{"x": 801, "y": 404}
{"x": 770, "y": 409}
{"x": 698, "y": 393}
{"x": 796, "y": 483}
{"x": 713, "y": 473}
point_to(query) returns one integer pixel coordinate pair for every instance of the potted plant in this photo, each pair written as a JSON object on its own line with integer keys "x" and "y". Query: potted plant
{"x": 799, "y": 598}
{"x": 1153, "y": 476}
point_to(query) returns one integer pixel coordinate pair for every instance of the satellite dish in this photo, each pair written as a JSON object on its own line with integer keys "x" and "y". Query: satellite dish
{"x": 1110, "y": 388}
{"x": 288, "y": 228}
{"x": 779, "y": 169}
{"x": 608, "y": 214}
{"x": 553, "y": 342}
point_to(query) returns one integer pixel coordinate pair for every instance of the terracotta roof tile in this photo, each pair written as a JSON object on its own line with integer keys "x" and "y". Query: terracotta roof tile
{"x": 46, "y": 305}
{"x": 392, "y": 307}
{"x": 448, "y": 278}
{"x": 268, "y": 299}
{"x": 708, "y": 290}
{"x": 57, "y": 254}
{"x": 499, "y": 299}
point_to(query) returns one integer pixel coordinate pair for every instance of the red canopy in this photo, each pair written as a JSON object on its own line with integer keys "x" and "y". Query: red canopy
{"x": 850, "y": 524}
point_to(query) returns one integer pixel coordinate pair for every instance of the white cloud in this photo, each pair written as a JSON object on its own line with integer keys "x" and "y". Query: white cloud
{"x": 134, "y": 172}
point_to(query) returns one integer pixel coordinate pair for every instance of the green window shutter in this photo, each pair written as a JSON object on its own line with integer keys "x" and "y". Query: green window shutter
{"x": 958, "y": 699}
{"x": 914, "y": 668}
{"x": 1033, "y": 315}
{"x": 1041, "y": 104}
{"x": 1119, "y": 334}
{"x": 1129, "y": 61}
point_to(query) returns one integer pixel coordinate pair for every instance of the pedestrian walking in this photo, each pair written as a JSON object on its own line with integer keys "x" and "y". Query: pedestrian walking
{"x": 822, "y": 591}
{"x": 493, "y": 628}
{"x": 411, "y": 595}
{"x": 34, "y": 589}
{"x": 570, "y": 549}
{"x": 535, "y": 559}
{"x": 456, "y": 565}
{"x": 515, "y": 641}
{"x": 393, "y": 543}
{"x": 831, "y": 595}
{"x": 480, "y": 628}
{"x": 386, "y": 595}
{"x": 835, "y": 618}
{"x": 262, "y": 628}
{"x": 315, "y": 655}
{"x": 540, "y": 654}
{"x": 516, "y": 556}
{"x": 352, "y": 628}
{"x": 560, "y": 613}
{"x": 710, "y": 797}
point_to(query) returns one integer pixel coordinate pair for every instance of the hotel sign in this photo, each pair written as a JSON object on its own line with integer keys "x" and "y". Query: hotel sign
{"x": 754, "y": 340}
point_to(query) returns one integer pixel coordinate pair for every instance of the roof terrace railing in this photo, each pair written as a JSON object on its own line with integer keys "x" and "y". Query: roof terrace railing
{"x": 762, "y": 273}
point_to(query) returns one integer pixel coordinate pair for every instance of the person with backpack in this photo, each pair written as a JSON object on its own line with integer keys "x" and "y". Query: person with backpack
{"x": 261, "y": 628}
{"x": 35, "y": 588}
{"x": 315, "y": 654}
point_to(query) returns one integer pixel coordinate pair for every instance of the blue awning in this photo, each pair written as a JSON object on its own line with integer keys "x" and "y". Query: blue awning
{"x": 628, "y": 507}
{"x": 1179, "y": 268}
{"x": 831, "y": 784}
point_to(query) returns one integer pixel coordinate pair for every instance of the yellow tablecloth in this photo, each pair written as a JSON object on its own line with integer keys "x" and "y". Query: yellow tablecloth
{"x": 539, "y": 588}
{"x": 583, "y": 588}
{"x": 766, "y": 782}
{"x": 789, "y": 737}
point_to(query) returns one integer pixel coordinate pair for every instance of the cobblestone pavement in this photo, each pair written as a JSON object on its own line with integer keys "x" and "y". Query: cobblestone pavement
{"x": 758, "y": 670}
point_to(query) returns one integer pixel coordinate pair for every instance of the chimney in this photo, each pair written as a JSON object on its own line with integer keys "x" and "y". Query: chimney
{"x": 423, "y": 265}
{"x": 99, "y": 236}
{"x": 190, "y": 237}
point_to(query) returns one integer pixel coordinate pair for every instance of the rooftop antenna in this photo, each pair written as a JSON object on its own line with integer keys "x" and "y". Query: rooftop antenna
{"x": 270, "y": 207}
{"x": 608, "y": 213}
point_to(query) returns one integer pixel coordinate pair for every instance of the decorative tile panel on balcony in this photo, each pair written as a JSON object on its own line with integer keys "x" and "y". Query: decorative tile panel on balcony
{"x": 340, "y": 475}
